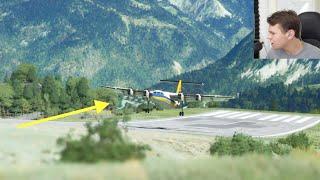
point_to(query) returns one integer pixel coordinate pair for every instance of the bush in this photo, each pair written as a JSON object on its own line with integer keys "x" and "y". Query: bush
{"x": 195, "y": 104}
{"x": 103, "y": 141}
{"x": 241, "y": 144}
{"x": 144, "y": 108}
{"x": 221, "y": 147}
{"x": 280, "y": 149}
{"x": 129, "y": 109}
{"x": 213, "y": 104}
{"x": 238, "y": 145}
{"x": 300, "y": 140}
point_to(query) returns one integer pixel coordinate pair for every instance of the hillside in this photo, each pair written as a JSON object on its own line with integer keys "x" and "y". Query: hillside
{"x": 238, "y": 71}
{"x": 127, "y": 42}
{"x": 227, "y": 16}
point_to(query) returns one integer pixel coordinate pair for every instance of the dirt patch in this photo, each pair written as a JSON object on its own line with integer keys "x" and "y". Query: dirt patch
{"x": 173, "y": 144}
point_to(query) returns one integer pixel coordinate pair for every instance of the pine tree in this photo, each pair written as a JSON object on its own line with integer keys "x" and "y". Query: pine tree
{"x": 6, "y": 98}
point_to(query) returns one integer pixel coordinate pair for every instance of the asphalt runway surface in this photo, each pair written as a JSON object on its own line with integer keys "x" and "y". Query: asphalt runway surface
{"x": 227, "y": 122}
{"x": 215, "y": 123}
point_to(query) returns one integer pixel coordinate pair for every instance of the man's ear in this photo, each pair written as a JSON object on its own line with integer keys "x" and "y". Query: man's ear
{"x": 291, "y": 34}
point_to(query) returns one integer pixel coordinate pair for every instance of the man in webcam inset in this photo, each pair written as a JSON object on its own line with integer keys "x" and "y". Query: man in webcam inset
{"x": 284, "y": 36}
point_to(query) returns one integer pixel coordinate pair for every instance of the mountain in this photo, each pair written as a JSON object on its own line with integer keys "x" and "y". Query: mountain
{"x": 229, "y": 17}
{"x": 238, "y": 71}
{"x": 124, "y": 43}
{"x": 202, "y": 9}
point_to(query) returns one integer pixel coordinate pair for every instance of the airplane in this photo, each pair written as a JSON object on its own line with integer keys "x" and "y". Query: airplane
{"x": 174, "y": 99}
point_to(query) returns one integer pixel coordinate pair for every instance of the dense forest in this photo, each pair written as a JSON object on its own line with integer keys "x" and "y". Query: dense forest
{"x": 109, "y": 42}
{"x": 279, "y": 97}
{"x": 24, "y": 92}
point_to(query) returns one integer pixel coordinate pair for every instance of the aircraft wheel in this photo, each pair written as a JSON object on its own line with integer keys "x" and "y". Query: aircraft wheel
{"x": 182, "y": 113}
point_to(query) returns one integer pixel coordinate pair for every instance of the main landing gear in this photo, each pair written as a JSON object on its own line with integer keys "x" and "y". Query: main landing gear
{"x": 148, "y": 110}
{"x": 181, "y": 113}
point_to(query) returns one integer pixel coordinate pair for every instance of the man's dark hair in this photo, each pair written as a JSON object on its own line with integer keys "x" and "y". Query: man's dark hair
{"x": 287, "y": 20}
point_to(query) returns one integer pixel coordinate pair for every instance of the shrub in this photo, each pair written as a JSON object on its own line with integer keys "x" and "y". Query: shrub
{"x": 238, "y": 145}
{"x": 144, "y": 107}
{"x": 221, "y": 147}
{"x": 195, "y": 104}
{"x": 213, "y": 104}
{"x": 300, "y": 140}
{"x": 103, "y": 141}
{"x": 241, "y": 144}
{"x": 280, "y": 149}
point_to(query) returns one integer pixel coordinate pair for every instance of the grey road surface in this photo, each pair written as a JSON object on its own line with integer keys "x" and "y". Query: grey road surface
{"x": 218, "y": 122}
{"x": 227, "y": 122}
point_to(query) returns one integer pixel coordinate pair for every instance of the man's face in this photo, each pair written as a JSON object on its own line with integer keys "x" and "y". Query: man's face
{"x": 278, "y": 38}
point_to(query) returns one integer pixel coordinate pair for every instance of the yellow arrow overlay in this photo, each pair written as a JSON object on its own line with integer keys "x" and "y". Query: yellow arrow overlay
{"x": 98, "y": 106}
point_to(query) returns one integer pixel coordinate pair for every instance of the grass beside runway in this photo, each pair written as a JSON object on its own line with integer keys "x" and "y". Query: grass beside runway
{"x": 314, "y": 134}
{"x": 31, "y": 154}
{"x": 173, "y": 157}
{"x": 295, "y": 166}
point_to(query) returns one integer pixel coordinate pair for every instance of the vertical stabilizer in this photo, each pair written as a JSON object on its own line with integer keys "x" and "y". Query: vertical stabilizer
{"x": 179, "y": 87}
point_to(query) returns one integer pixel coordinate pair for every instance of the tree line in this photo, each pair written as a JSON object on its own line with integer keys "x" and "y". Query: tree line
{"x": 279, "y": 97}
{"x": 25, "y": 92}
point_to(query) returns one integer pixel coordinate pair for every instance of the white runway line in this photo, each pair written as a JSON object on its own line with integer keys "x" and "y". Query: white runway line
{"x": 216, "y": 113}
{"x": 250, "y": 116}
{"x": 304, "y": 119}
{"x": 226, "y": 114}
{"x": 268, "y": 117}
{"x": 239, "y": 115}
{"x": 279, "y": 118}
{"x": 290, "y": 132}
{"x": 291, "y": 119}
{"x": 235, "y": 113}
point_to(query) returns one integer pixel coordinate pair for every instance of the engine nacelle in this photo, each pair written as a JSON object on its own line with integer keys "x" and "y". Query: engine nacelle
{"x": 181, "y": 96}
{"x": 146, "y": 94}
{"x": 198, "y": 97}
{"x": 130, "y": 92}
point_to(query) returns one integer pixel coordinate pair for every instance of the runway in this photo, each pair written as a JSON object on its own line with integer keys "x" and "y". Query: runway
{"x": 227, "y": 122}
{"x": 222, "y": 122}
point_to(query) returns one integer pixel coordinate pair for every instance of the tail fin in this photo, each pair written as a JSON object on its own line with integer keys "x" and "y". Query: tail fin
{"x": 179, "y": 87}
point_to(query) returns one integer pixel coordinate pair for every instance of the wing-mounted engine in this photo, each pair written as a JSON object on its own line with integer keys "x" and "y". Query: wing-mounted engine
{"x": 146, "y": 93}
{"x": 130, "y": 92}
{"x": 181, "y": 97}
{"x": 198, "y": 97}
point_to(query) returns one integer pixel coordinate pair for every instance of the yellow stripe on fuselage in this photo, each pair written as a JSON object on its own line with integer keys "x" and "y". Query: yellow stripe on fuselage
{"x": 165, "y": 100}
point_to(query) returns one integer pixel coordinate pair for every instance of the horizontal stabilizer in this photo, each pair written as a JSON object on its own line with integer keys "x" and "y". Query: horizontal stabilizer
{"x": 184, "y": 82}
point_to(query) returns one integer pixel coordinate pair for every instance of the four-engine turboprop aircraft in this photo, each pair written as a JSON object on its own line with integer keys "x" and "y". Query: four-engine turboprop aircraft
{"x": 174, "y": 99}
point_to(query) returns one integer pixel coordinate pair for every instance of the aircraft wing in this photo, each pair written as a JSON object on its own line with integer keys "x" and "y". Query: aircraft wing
{"x": 218, "y": 96}
{"x": 199, "y": 97}
{"x": 129, "y": 91}
{"x": 117, "y": 88}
